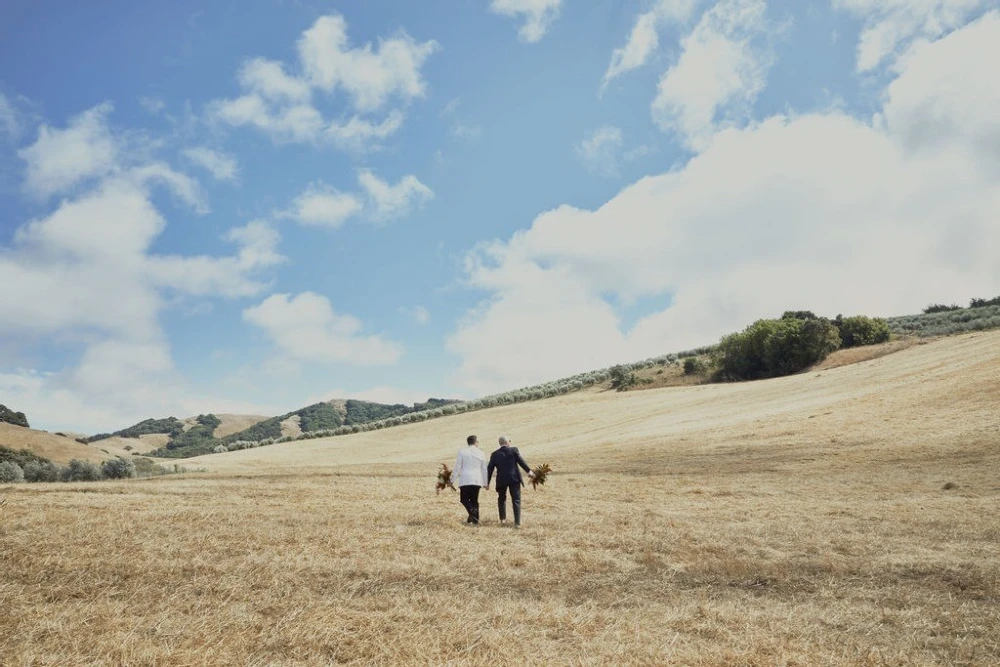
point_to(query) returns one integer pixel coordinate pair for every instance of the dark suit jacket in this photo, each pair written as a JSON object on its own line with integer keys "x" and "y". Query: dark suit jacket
{"x": 505, "y": 461}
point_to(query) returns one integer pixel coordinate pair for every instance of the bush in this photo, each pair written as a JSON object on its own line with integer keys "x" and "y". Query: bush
{"x": 42, "y": 472}
{"x": 983, "y": 303}
{"x": 10, "y": 417}
{"x": 81, "y": 471}
{"x": 941, "y": 308}
{"x": 693, "y": 366}
{"x": 623, "y": 378}
{"x": 10, "y": 473}
{"x": 771, "y": 348}
{"x": 118, "y": 468}
{"x": 220, "y": 449}
{"x": 861, "y": 330}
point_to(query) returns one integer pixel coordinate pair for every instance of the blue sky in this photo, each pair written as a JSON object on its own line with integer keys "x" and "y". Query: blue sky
{"x": 248, "y": 207}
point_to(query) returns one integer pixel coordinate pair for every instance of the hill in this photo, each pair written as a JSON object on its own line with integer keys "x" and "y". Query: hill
{"x": 58, "y": 448}
{"x": 840, "y": 516}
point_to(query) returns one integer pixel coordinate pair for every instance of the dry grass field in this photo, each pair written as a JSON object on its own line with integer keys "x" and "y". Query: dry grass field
{"x": 845, "y": 516}
{"x": 58, "y": 448}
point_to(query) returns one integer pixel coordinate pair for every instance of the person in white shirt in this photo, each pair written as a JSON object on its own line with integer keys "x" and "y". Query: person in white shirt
{"x": 469, "y": 475}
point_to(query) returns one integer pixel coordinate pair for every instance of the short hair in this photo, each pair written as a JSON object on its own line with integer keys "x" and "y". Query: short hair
{"x": 503, "y": 440}
{"x": 471, "y": 439}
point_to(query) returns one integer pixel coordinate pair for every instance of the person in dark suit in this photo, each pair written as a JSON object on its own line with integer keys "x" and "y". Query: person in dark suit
{"x": 506, "y": 461}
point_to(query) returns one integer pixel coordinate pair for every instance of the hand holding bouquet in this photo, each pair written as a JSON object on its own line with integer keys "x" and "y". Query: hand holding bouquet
{"x": 539, "y": 474}
{"x": 444, "y": 479}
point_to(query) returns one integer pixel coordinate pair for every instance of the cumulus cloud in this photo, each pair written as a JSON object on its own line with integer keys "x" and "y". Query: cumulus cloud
{"x": 305, "y": 328}
{"x": 538, "y": 15}
{"x": 722, "y": 69}
{"x": 321, "y": 205}
{"x": 222, "y": 167}
{"x": 644, "y": 38}
{"x": 891, "y": 26}
{"x": 86, "y": 273}
{"x": 60, "y": 159}
{"x": 393, "y": 201}
{"x": 369, "y": 75}
{"x": 286, "y": 106}
{"x": 10, "y": 125}
{"x": 822, "y": 211}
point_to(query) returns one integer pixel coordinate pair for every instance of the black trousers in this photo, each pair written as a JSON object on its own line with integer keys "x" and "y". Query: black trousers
{"x": 469, "y": 495}
{"x": 515, "y": 501}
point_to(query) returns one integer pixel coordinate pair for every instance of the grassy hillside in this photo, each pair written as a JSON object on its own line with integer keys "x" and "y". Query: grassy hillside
{"x": 58, "y": 448}
{"x": 839, "y": 517}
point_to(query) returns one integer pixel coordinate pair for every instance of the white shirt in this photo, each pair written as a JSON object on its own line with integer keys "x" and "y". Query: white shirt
{"x": 470, "y": 467}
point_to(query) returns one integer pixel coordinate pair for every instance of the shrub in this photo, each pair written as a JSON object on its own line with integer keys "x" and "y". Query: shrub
{"x": 941, "y": 308}
{"x": 81, "y": 471}
{"x": 21, "y": 457}
{"x": 861, "y": 330}
{"x": 10, "y": 473}
{"x": 118, "y": 468}
{"x": 10, "y": 417}
{"x": 693, "y": 366}
{"x": 42, "y": 472}
{"x": 623, "y": 378}
{"x": 983, "y": 303}
{"x": 770, "y": 348}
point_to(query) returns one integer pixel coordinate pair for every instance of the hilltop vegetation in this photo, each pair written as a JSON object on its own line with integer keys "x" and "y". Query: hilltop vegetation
{"x": 317, "y": 418}
{"x": 8, "y": 416}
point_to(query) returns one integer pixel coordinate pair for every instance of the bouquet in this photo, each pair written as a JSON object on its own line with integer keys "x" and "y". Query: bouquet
{"x": 444, "y": 478}
{"x": 539, "y": 474}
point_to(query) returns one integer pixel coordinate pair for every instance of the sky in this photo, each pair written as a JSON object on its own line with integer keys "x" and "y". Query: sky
{"x": 253, "y": 206}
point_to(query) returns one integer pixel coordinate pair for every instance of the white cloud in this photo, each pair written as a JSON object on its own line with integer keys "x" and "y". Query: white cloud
{"x": 538, "y": 15}
{"x": 601, "y": 149}
{"x": 892, "y": 25}
{"x": 824, "y": 211}
{"x": 644, "y": 38}
{"x": 268, "y": 78}
{"x": 153, "y": 105}
{"x": 86, "y": 274}
{"x": 370, "y": 76}
{"x": 221, "y": 166}
{"x": 357, "y": 134}
{"x": 9, "y": 123}
{"x": 305, "y": 328}
{"x": 393, "y": 201}
{"x": 721, "y": 70}
{"x": 321, "y": 205}
{"x": 286, "y": 106}
{"x": 61, "y": 159}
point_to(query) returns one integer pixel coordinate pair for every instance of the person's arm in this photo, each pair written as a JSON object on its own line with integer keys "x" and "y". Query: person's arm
{"x": 489, "y": 471}
{"x": 485, "y": 472}
{"x": 521, "y": 462}
{"x": 457, "y": 468}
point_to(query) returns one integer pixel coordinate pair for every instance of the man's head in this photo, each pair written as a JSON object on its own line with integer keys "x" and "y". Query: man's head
{"x": 472, "y": 440}
{"x": 503, "y": 440}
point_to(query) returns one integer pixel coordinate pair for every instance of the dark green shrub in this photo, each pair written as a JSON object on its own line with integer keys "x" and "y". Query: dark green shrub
{"x": 118, "y": 468}
{"x": 694, "y": 366}
{"x": 10, "y": 473}
{"x": 21, "y": 457}
{"x": 941, "y": 308}
{"x": 861, "y": 330}
{"x": 10, "y": 417}
{"x": 983, "y": 303}
{"x": 770, "y": 348}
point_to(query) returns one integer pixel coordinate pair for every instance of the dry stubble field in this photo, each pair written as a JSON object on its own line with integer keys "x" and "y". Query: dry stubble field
{"x": 798, "y": 521}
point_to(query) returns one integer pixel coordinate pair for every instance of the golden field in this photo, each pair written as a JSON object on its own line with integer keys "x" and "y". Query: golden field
{"x": 844, "y": 516}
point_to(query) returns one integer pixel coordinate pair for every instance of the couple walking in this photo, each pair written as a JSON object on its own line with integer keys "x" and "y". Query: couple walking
{"x": 472, "y": 472}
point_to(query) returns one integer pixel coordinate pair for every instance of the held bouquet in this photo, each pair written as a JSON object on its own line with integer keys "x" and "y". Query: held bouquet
{"x": 444, "y": 479}
{"x": 539, "y": 474}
